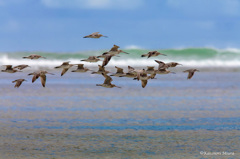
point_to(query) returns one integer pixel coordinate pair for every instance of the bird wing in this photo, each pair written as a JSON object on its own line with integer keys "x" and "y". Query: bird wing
{"x": 150, "y": 54}
{"x": 106, "y": 60}
{"x": 8, "y": 67}
{"x": 80, "y": 66}
{"x": 35, "y": 77}
{"x": 150, "y": 68}
{"x": 119, "y": 70}
{"x": 108, "y": 79}
{"x": 190, "y": 74}
{"x": 43, "y": 79}
{"x": 144, "y": 83}
{"x": 64, "y": 71}
{"x": 114, "y": 48}
{"x": 18, "y": 83}
{"x": 100, "y": 68}
{"x": 66, "y": 63}
{"x": 160, "y": 64}
{"x": 130, "y": 69}
{"x": 95, "y": 33}
{"x": 152, "y": 76}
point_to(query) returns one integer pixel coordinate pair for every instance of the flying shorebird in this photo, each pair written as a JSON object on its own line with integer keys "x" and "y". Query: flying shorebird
{"x": 119, "y": 72}
{"x": 162, "y": 68}
{"x": 131, "y": 73}
{"x": 142, "y": 75}
{"x": 9, "y": 69}
{"x": 21, "y": 67}
{"x": 95, "y": 35}
{"x": 107, "y": 82}
{"x": 91, "y": 59}
{"x": 18, "y": 82}
{"x": 81, "y": 68}
{"x": 65, "y": 66}
{"x": 101, "y": 70}
{"x": 191, "y": 72}
{"x": 113, "y": 51}
{"x": 42, "y": 75}
{"x": 34, "y": 56}
{"x": 152, "y": 54}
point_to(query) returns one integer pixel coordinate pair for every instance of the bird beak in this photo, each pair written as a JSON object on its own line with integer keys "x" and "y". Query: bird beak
{"x": 51, "y": 73}
{"x": 173, "y": 72}
{"x": 105, "y": 36}
{"x": 125, "y": 52}
{"x": 118, "y": 87}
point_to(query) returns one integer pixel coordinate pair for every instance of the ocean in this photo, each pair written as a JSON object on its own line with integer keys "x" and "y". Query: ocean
{"x": 189, "y": 57}
{"x": 171, "y": 117}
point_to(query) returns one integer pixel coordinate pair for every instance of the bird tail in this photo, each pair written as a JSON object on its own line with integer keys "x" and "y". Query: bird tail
{"x": 98, "y": 85}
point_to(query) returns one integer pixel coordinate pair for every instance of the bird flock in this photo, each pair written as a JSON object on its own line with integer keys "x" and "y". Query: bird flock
{"x": 136, "y": 74}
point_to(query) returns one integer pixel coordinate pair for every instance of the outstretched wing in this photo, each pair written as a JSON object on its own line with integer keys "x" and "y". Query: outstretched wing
{"x": 130, "y": 69}
{"x": 190, "y": 74}
{"x": 64, "y": 71}
{"x": 114, "y": 48}
{"x": 106, "y": 60}
{"x": 108, "y": 79}
{"x": 80, "y": 66}
{"x": 101, "y": 68}
{"x": 43, "y": 79}
{"x": 144, "y": 83}
{"x": 119, "y": 70}
{"x": 150, "y": 68}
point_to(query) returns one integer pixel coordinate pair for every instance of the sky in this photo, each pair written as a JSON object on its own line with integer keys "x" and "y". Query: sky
{"x": 59, "y": 25}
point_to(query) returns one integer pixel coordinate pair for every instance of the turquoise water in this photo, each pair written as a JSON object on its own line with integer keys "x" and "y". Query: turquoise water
{"x": 207, "y": 57}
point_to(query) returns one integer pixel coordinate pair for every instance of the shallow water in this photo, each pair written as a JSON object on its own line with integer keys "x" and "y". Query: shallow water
{"x": 73, "y": 118}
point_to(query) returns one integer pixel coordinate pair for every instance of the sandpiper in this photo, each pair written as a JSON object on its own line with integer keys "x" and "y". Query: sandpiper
{"x": 65, "y": 66}
{"x": 142, "y": 75}
{"x": 152, "y": 54}
{"x": 43, "y": 77}
{"x": 9, "y": 69}
{"x": 119, "y": 72}
{"x": 113, "y": 51}
{"x": 21, "y": 67}
{"x": 191, "y": 72}
{"x": 91, "y": 59}
{"x": 81, "y": 68}
{"x": 95, "y": 35}
{"x": 33, "y": 56}
{"x": 131, "y": 73}
{"x": 101, "y": 70}
{"x": 107, "y": 82}
{"x": 18, "y": 82}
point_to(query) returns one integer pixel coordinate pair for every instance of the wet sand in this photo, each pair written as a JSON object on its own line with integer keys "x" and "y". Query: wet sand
{"x": 72, "y": 118}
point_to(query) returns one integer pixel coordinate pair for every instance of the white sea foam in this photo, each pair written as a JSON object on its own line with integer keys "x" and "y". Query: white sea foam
{"x": 5, "y": 60}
